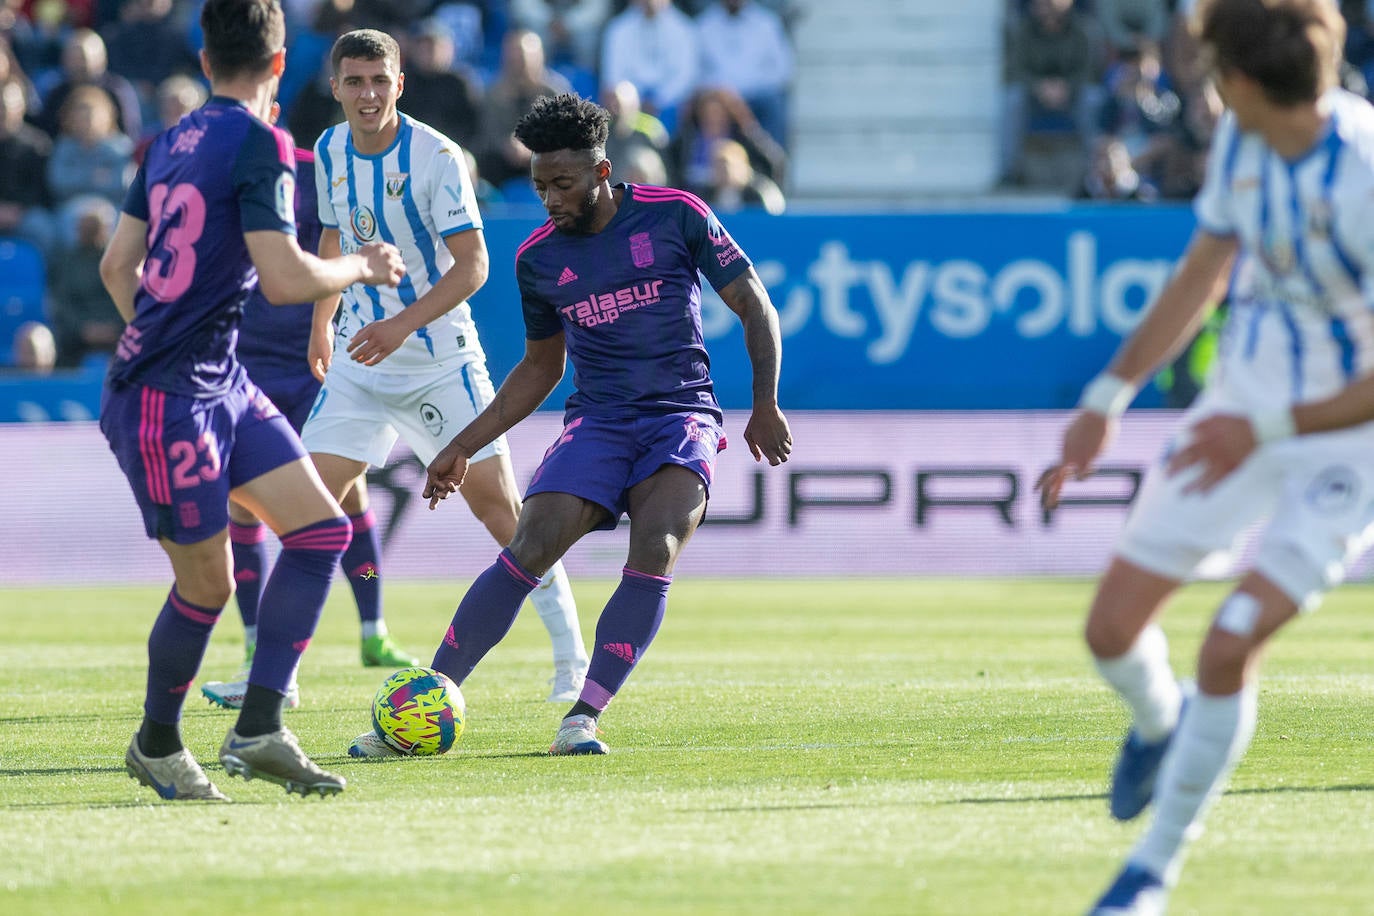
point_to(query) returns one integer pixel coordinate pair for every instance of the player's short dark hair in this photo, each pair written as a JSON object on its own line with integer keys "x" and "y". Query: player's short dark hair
{"x": 558, "y": 122}
{"x": 365, "y": 44}
{"x": 1292, "y": 48}
{"x": 241, "y": 36}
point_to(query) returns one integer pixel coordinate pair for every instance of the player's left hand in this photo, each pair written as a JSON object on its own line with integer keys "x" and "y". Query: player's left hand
{"x": 768, "y": 436}
{"x": 1216, "y": 445}
{"x": 445, "y": 473}
{"x": 376, "y": 341}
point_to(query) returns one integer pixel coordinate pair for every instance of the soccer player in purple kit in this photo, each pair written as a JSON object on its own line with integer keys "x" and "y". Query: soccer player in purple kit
{"x": 610, "y": 281}
{"x": 211, "y": 206}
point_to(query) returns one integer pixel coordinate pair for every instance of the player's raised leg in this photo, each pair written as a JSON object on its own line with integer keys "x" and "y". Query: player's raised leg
{"x": 1210, "y": 739}
{"x": 1132, "y": 654}
{"x": 490, "y": 491}
{"x": 248, "y": 539}
{"x": 314, "y": 533}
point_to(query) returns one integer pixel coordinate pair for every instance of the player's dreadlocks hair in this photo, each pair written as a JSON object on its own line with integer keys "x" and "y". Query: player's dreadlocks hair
{"x": 564, "y": 122}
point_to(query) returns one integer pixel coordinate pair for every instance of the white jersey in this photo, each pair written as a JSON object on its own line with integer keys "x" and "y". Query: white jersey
{"x": 1302, "y": 319}
{"x": 414, "y": 195}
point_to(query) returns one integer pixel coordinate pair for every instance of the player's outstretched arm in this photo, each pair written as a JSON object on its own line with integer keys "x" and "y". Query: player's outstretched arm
{"x": 767, "y": 433}
{"x": 1168, "y": 325}
{"x": 288, "y": 275}
{"x": 121, "y": 266}
{"x": 529, "y": 383}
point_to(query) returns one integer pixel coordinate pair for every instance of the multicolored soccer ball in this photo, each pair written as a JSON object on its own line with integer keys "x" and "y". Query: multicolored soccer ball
{"x": 419, "y": 711}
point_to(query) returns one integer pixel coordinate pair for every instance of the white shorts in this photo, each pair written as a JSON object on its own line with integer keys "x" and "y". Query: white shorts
{"x": 1316, "y": 491}
{"x": 360, "y": 413}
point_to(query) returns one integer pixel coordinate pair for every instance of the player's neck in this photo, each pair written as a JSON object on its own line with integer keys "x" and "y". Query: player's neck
{"x": 257, "y": 95}
{"x": 380, "y": 142}
{"x": 1293, "y": 131}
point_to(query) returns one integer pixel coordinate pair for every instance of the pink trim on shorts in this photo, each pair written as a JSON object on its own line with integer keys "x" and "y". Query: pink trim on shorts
{"x": 152, "y": 409}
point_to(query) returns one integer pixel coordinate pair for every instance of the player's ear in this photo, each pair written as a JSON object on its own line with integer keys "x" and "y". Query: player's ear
{"x": 205, "y": 65}
{"x": 279, "y": 63}
{"x": 400, "y": 83}
{"x": 603, "y": 170}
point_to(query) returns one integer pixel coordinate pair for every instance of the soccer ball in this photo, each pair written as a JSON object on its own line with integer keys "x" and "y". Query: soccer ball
{"x": 418, "y": 711}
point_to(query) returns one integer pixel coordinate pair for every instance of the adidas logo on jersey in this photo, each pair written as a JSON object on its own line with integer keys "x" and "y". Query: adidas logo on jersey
{"x": 567, "y": 276}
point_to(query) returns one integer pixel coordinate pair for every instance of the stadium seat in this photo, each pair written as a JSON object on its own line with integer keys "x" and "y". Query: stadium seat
{"x": 23, "y": 284}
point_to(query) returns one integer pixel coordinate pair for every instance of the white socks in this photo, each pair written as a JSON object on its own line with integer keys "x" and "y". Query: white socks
{"x": 1210, "y": 741}
{"x": 553, "y": 599}
{"x": 373, "y": 628}
{"x": 1146, "y": 682}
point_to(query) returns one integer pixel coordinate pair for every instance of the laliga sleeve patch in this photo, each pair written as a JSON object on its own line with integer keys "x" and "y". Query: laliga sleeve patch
{"x": 285, "y": 198}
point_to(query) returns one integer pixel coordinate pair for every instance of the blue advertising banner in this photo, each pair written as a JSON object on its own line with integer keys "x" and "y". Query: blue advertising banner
{"x": 920, "y": 311}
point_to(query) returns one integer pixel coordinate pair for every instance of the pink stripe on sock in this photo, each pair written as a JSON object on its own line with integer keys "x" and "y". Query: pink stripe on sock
{"x": 636, "y": 574}
{"x": 331, "y": 537}
{"x": 363, "y": 522}
{"x": 516, "y": 571}
{"x": 595, "y": 696}
{"x": 247, "y": 534}
{"x": 190, "y": 611}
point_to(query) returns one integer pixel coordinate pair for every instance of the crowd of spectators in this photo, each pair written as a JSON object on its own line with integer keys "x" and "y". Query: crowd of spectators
{"x": 699, "y": 91}
{"x": 1105, "y": 99}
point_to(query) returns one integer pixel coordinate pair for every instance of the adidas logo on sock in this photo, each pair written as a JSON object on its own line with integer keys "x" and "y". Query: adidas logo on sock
{"x": 621, "y": 650}
{"x": 567, "y": 276}
{"x": 450, "y": 640}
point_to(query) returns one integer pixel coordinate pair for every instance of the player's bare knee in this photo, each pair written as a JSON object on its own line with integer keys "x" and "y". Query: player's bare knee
{"x": 1108, "y": 635}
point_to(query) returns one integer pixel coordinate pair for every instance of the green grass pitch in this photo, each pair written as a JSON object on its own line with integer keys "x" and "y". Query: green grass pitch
{"x": 893, "y": 746}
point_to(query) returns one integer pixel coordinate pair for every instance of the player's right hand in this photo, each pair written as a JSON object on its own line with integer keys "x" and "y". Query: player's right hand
{"x": 1084, "y": 441}
{"x": 445, "y": 473}
{"x": 384, "y": 264}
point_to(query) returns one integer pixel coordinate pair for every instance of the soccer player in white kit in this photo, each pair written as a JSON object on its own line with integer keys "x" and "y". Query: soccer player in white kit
{"x": 1284, "y": 214}
{"x": 408, "y": 361}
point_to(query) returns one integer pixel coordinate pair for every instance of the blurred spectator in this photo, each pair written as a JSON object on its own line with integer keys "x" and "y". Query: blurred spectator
{"x": 1138, "y": 107}
{"x": 1359, "y": 39}
{"x": 90, "y": 157}
{"x": 10, "y": 69}
{"x": 570, "y": 29}
{"x": 1183, "y": 62}
{"x": 641, "y": 165}
{"x": 1052, "y": 79}
{"x": 146, "y": 46}
{"x": 84, "y": 63}
{"x": 652, "y": 44}
{"x": 736, "y": 186}
{"x": 1177, "y": 162}
{"x": 744, "y": 47}
{"x": 33, "y": 349}
{"x": 631, "y": 128}
{"x": 487, "y": 193}
{"x": 713, "y": 115}
{"x": 177, "y": 96}
{"x": 448, "y": 100}
{"x": 1129, "y": 22}
{"x": 1112, "y": 176}
{"x": 477, "y": 27}
{"x": 84, "y": 316}
{"x": 523, "y": 78}
{"x": 38, "y": 37}
{"x": 24, "y": 154}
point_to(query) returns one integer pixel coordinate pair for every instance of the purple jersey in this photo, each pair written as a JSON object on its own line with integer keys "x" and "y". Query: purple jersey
{"x": 629, "y": 302}
{"x": 218, "y": 173}
{"x": 273, "y": 339}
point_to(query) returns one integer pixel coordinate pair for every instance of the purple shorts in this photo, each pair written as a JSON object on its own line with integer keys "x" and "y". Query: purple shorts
{"x": 600, "y": 459}
{"x": 294, "y": 396}
{"x": 183, "y": 455}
